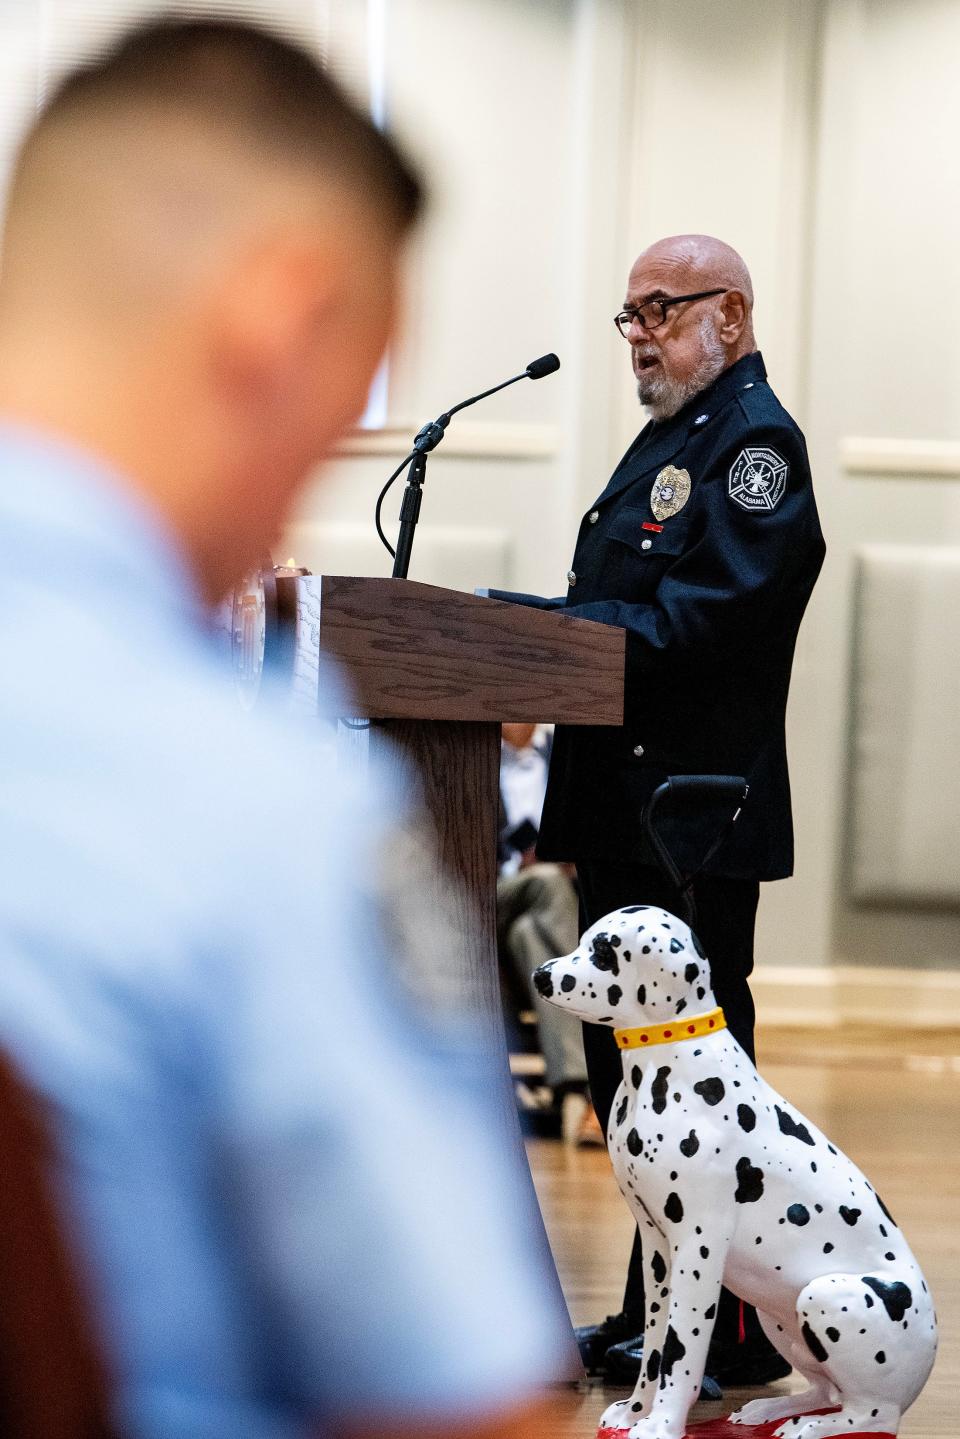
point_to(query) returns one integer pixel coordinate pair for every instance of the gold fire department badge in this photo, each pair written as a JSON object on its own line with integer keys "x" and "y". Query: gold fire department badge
{"x": 671, "y": 490}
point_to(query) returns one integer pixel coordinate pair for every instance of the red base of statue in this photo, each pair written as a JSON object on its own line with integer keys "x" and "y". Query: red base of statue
{"x": 723, "y": 1429}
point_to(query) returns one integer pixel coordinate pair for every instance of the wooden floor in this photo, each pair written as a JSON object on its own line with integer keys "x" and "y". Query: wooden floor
{"x": 892, "y": 1104}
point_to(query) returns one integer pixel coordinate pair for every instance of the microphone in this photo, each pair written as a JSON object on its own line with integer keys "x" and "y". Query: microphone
{"x": 426, "y": 440}
{"x": 430, "y": 436}
{"x": 546, "y": 365}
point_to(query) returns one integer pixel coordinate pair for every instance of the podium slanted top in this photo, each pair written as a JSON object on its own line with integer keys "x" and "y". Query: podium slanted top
{"x": 416, "y": 651}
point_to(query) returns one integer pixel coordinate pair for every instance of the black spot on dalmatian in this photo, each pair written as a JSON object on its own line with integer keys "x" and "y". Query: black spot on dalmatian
{"x": 798, "y": 1214}
{"x": 653, "y": 1365}
{"x": 673, "y": 1208}
{"x": 641, "y": 994}
{"x": 895, "y": 1298}
{"x": 880, "y": 1357}
{"x": 622, "y": 1108}
{"x": 814, "y": 1344}
{"x": 659, "y": 1090}
{"x": 886, "y": 1212}
{"x": 709, "y": 1313}
{"x": 849, "y": 1216}
{"x": 704, "y": 1252}
{"x": 690, "y": 1145}
{"x": 711, "y": 1091}
{"x": 673, "y": 1350}
{"x": 792, "y": 1127}
{"x": 603, "y": 952}
{"x": 636, "y": 1076}
{"x": 568, "y": 982}
{"x": 675, "y": 946}
{"x": 658, "y": 1266}
{"x": 681, "y": 1006}
{"x": 746, "y": 1117}
{"x": 634, "y": 1142}
{"x": 635, "y": 908}
{"x": 749, "y": 1182}
{"x": 543, "y": 982}
{"x": 700, "y": 991}
{"x": 691, "y": 972}
{"x": 868, "y": 1301}
{"x": 614, "y": 994}
{"x": 833, "y": 1335}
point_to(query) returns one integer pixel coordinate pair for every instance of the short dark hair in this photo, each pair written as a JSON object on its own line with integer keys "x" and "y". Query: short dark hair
{"x": 258, "y": 84}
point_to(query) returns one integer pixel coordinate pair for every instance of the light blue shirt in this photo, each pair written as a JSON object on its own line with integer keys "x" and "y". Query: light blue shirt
{"x": 290, "y": 1204}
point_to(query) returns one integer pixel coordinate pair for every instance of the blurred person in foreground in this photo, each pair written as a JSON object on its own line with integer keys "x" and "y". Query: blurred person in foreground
{"x": 263, "y": 1156}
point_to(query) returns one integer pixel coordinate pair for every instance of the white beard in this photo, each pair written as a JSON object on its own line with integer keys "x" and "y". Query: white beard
{"x": 663, "y": 397}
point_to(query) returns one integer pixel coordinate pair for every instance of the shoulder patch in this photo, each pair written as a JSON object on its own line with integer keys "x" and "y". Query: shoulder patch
{"x": 757, "y": 479}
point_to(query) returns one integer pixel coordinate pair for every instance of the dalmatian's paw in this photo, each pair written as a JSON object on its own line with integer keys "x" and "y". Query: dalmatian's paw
{"x": 624, "y": 1416}
{"x": 620, "y": 1415}
{"x": 657, "y": 1428}
{"x": 850, "y": 1420}
{"x": 781, "y": 1406}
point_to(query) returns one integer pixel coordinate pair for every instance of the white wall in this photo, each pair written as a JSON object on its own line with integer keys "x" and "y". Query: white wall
{"x": 884, "y": 362}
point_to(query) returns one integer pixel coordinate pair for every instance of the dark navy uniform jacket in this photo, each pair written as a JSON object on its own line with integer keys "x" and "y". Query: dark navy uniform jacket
{"x": 711, "y": 599}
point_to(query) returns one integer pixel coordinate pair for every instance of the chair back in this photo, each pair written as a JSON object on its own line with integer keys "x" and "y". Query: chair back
{"x": 52, "y": 1383}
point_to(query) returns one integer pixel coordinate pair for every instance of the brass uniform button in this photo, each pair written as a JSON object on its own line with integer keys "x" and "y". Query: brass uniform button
{"x": 638, "y": 751}
{"x": 594, "y": 516}
{"x": 646, "y": 544}
{"x": 571, "y": 577}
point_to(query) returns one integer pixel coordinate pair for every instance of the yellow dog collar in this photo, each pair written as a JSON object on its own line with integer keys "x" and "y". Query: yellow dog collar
{"x": 693, "y": 1028}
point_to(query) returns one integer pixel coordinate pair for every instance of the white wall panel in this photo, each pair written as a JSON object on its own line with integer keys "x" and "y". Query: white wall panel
{"x": 886, "y": 223}
{"x": 444, "y": 556}
{"x": 905, "y": 775}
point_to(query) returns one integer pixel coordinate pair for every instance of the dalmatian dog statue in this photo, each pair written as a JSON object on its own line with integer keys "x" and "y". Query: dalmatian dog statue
{"x": 730, "y": 1184}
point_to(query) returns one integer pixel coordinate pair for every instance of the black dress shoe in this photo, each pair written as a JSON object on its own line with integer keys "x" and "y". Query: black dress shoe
{"x": 593, "y": 1340}
{"x": 624, "y": 1361}
{"x": 749, "y": 1367}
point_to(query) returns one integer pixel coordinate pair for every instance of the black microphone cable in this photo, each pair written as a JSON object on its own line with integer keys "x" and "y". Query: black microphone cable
{"x": 430, "y": 436}
{"x": 383, "y": 495}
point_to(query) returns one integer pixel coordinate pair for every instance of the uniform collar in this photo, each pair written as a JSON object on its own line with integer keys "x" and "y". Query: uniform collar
{"x": 659, "y": 441}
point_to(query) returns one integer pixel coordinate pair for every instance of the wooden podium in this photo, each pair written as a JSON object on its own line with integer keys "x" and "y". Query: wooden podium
{"x": 436, "y": 671}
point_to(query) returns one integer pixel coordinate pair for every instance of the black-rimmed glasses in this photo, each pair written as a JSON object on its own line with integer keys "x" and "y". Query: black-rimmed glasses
{"x": 652, "y": 314}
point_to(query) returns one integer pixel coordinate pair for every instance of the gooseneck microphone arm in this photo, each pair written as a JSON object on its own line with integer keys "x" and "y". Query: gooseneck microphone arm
{"x": 426, "y": 440}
